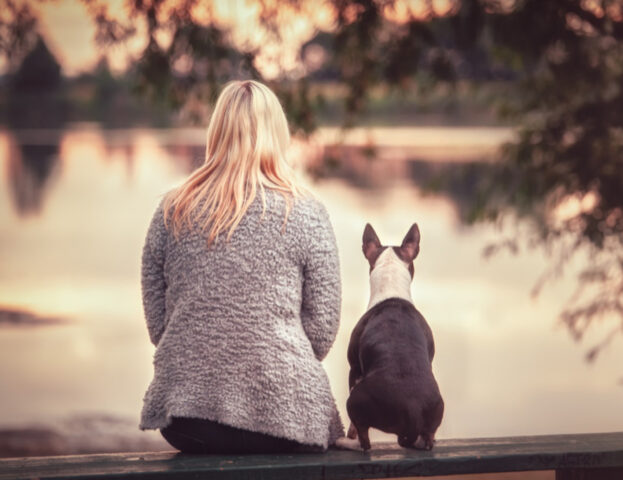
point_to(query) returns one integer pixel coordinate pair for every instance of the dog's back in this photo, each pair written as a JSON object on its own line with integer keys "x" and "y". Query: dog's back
{"x": 397, "y": 392}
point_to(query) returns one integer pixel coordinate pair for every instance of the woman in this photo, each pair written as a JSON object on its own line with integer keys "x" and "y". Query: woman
{"x": 241, "y": 294}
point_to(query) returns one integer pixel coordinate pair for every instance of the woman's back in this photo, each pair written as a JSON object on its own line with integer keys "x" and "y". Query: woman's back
{"x": 242, "y": 324}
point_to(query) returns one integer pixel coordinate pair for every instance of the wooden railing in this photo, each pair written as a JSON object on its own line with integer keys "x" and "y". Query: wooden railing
{"x": 573, "y": 457}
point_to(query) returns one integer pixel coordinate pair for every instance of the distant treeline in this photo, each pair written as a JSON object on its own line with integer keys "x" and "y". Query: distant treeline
{"x": 38, "y": 95}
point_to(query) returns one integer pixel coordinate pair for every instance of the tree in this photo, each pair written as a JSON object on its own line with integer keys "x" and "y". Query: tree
{"x": 187, "y": 70}
{"x": 18, "y": 26}
{"x": 565, "y": 171}
{"x": 39, "y": 71}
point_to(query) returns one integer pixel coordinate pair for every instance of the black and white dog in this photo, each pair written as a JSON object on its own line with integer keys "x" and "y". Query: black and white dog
{"x": 392, "y": 387}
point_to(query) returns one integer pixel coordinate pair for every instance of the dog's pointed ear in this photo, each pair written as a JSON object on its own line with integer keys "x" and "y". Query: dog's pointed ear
{"x": 411, "y": 244}
{"x": 371, "y": 242}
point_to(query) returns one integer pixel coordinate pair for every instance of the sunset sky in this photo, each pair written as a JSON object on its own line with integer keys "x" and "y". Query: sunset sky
{"x": 69, "y": 31}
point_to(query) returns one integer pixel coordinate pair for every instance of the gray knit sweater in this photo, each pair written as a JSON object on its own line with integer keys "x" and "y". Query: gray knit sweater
{"x": 241, "y": 327}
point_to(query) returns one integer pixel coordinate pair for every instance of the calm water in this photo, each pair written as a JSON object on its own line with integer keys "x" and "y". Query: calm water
{"x": 74, "y": 208}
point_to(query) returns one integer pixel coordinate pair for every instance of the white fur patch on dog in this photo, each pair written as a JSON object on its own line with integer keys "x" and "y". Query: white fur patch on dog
{"x": 390, "y": 278}
{"x": 348, "y": 443}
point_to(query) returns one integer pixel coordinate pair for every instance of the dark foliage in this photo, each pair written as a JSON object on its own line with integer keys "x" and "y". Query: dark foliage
{"x": 39, "y": 71}
{"x": 18, "y": 24}
{"x": 569, "y": 148}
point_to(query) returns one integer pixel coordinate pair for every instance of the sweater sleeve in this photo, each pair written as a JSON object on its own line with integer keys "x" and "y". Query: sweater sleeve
{"x": 320, "y": 312}
{"x": 153, "y": 284}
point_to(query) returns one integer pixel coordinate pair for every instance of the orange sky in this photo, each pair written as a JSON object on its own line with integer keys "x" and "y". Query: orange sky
{"x": 69, "y": 31}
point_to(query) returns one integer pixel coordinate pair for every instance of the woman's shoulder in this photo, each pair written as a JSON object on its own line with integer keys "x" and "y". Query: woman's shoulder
{"x": 312, "y": 226}
{"x": 161, "y": 216}
{"x": 307, "y": 203}
{"x": 309, "y": 210}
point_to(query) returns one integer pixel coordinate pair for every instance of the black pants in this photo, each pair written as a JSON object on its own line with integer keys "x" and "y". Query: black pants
{"x": 196, "y": 435}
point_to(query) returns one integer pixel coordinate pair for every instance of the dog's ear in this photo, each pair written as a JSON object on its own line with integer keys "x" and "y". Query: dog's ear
{"x": 371, "y": 243}
{"x": 411, "y": 244}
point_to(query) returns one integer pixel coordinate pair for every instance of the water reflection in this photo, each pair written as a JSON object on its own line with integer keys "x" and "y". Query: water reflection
{"x": 13, "y": 317}
{"x": 31, "y": 169}
{"x": 503, "y": 367}
{"x": 79, "y": 434}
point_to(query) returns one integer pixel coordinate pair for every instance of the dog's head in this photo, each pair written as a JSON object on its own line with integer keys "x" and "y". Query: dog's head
{"x": 406, "y": 253}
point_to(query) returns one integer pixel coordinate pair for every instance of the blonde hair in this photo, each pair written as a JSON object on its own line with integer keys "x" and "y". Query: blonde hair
{"x": 247, "y": 139}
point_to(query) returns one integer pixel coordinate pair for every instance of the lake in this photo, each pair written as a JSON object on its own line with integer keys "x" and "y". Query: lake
{"x": 74, "y": 352}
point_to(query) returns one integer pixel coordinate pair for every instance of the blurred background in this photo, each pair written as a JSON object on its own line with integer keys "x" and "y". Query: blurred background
{"x": 497, "y": 125}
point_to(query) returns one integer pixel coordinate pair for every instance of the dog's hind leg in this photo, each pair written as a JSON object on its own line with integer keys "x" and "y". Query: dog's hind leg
{"x": 352, "y": 431}
{"x": 356, "y": 405}
{"x": 406, "y": 442}
{"x": 425, "y": 441}
{"x": 408, "y": 435}
{"x": 364, "y": 439}
{"x": 432, "y": 420}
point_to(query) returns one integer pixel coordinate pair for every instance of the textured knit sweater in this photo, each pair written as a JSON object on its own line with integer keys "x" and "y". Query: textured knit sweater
{"x": 241, "y": 326}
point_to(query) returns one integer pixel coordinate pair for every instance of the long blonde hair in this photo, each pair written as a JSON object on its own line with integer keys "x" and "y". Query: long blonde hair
{"x": 247, "y": 139}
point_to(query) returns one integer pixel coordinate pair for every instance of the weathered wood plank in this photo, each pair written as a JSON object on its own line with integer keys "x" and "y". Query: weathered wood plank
{"x": 484, "y": 455}
{"x": 590, "y": 474}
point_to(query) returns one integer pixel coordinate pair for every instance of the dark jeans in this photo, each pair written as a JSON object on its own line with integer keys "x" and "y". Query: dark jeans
{"x": 196, "y": 435}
